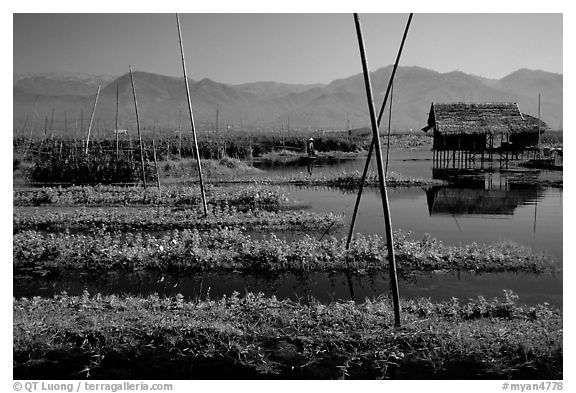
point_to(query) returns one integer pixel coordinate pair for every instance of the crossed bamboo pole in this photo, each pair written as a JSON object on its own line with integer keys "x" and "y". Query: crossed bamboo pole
{"x": 368, "y": 158}
{"x": 380, "y": 166}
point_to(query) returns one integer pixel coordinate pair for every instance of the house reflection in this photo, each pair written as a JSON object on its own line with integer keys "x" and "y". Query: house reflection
{"x": 476, "y": 193}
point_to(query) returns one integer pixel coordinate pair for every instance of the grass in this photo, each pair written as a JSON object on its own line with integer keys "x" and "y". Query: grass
{"x": 351, "y": 180}
{"x": 166, "y": 218}
{"x": 211, "y": 168}
{"x": 231, "y": 249}
{"x": 344, "y": 180}
{"x": 255, "y": 337}
{"x": 247, "y": 197}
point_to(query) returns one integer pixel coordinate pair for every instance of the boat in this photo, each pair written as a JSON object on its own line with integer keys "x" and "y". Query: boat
{"x": 308, "y": 158}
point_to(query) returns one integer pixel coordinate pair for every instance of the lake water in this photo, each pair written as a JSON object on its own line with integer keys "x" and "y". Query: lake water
{"x": 324, "y": 287}
{"x": 534, "y": 221}
{"x": 486, "y": 207}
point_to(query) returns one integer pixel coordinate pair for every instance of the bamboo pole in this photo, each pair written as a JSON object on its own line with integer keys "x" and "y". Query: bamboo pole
{"x": 389, "y": 127}
{"x": 180, "y": 135}
{"x": 23, "y": 132}
{"x": 156, "y": 163}
{"x": 51, "y": 127}
{"x": 218, "y": 150}
{"x": 116, "y": 125}
{"x": 538, "y": 125}
{"x": 379, "y": 163}
{"x": 154, "y": 155}
{"x": 130, "y": 149}
{"x": 30, "y": 138}
{"x": 138, "y": 127}
{"x": 370, "y": 150}
{"x": 44, "y": 137}
{"x": 92, "y": 119}
{"x": 196, "y": 151}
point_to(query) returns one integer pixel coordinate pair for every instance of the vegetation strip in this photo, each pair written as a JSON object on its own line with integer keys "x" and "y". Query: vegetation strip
{"x": 162, "y": 219}
{"x": 111, "y": 337}
{"x": 344, "y": 180}
{"x": 192, "y": 250}
{"x": 101, "y": 195}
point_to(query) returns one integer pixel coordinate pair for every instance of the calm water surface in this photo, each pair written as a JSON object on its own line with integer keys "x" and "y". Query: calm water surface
{"x": 487, "y": 208}
{"x": 535, "y": 222}
{"x": 324, "y": 287}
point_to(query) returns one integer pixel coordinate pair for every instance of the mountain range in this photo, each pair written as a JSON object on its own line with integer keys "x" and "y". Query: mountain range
{"x": 67, "y": 99}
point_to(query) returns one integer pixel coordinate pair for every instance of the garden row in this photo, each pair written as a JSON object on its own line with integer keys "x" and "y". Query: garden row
{"x": 252, "y": 194}
{"x": 244, "y": 198}
{"x": 231, "y": 249}
{"x": 167, "y": 219}
{"x": 117, "y": 337}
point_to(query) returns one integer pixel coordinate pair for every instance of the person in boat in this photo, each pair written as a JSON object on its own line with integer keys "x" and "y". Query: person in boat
{"x": 311, "y": 151}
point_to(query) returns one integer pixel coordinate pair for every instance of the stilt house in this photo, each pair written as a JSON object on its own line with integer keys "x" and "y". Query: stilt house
{"x": 475, "y": 127}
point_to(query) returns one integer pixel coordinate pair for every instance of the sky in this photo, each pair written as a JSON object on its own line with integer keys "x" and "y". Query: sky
{"x": 290, "y": 48}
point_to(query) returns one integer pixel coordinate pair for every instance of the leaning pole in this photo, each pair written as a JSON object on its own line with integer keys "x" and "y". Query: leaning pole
{"x": 196, "y": 150}
{"x": 371, "y": 149}
{"x": 138, "y": 127}
{"x": 382, "y": 183}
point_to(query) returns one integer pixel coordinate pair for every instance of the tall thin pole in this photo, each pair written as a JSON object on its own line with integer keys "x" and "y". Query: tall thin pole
{"x": 538, "y": 123}
{"x": 45, "y": 133}
{"x": 218, "y": 154}
{"x": 156, "y": 164}
{"x": 196, "y": 151}
{"x": 155, "y": 159}
{"x": 389, "y": 126}
{"x": 348, "y": 129}
{"x": 180, "y": 135}
{"x": 92, "y": 119}
{"x": 51, "y": 127}
{"x": 29, "y": 147}
{"x": 23, "y": 132}
{"x": 371, "y": 149}
{"x": 116, "y": 125}
{"x": 380, "y": 166}
{"x": 138, "y": 127}
{"x": 535, "y": 210}
{"x": 81, "y": 123}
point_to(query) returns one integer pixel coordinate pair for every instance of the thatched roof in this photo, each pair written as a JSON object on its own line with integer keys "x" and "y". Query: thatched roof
{"x": 533, "y": 122}
{"x": 485, "y": 118}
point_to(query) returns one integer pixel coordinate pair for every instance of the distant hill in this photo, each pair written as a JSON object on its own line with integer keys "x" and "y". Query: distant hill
{"x": 162, "y": 99}
{"x": 274, "y": 89}
{"x": 56, "y": 84}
